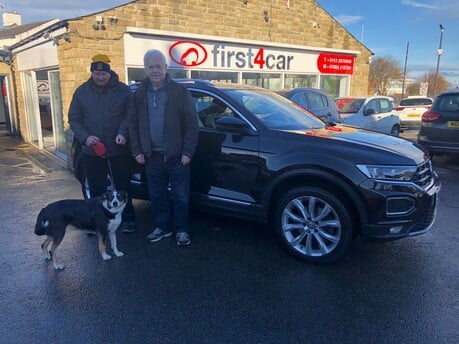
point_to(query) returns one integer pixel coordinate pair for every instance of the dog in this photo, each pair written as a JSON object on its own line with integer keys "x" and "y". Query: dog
{"x": 99, "y": 214}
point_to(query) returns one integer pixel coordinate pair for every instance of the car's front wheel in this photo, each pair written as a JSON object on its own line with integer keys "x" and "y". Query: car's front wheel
{"x": 313, "y": 224}
{"x": 395, "y": 130}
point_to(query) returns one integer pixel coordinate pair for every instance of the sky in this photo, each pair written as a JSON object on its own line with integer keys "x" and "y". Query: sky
{"x": 386, "y": 27}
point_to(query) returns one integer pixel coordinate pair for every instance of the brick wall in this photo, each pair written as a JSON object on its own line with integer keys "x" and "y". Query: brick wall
{"x": 226, "y": 18}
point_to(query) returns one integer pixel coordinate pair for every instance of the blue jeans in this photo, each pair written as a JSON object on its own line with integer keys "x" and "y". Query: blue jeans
{"x": 169, "y": 213}
{"x": 96, "y": 170}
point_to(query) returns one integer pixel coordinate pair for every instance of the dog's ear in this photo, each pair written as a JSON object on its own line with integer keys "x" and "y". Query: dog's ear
{"x": 104, "y": 195}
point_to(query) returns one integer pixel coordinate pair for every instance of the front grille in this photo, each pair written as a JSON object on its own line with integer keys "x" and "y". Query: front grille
{"x": 425, "y": 220}
{"x": 424, "y": 175}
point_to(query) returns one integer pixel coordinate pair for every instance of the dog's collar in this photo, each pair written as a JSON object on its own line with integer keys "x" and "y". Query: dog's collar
{"x": 108, "y": 213}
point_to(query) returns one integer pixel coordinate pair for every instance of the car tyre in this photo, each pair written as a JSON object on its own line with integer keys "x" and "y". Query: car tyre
{"x": 395, "y": 130}
{"x": 313, "y": 224}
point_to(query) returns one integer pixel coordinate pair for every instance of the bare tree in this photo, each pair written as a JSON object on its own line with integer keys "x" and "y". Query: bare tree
{"x": 442, "y": 84}
{"x": 383, "y": 70}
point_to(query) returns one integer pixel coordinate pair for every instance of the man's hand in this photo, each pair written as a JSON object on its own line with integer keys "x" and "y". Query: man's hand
{"x": 91, "y": 140}
{"x": 140, "y": 158}
{"x": 185, "y": 159}
{"x": 120, "y": 139}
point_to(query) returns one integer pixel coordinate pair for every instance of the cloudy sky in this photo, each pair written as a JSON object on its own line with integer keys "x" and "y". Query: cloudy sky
{"x": 385, "y": 27}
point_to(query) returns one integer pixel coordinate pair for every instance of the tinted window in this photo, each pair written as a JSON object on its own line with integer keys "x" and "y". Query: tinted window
{"x": 274, "y": 111}
{"x": 316, "y": 101}
{"x": 299, "y": 99}
{"x": 349, "y": 105}
{"x": 447, "y": 103}
{"x": 415, "y": 102}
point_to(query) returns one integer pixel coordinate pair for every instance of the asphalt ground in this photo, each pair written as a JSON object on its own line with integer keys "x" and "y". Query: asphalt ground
{"x": 234, "y": 284}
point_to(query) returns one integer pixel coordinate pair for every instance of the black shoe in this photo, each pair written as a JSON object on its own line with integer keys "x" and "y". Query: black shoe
{"x": 127, "y": 226}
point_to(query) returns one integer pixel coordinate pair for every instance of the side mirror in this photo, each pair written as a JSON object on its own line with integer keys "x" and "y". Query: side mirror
{"x": 369, "y": 112}
{"x": 230, "y": 123}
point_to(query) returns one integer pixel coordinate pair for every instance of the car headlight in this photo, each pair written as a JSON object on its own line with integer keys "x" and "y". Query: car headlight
{"x": 398, "y": 173}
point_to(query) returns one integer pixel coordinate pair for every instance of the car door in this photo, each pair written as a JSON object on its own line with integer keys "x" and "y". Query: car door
{"x": 225, "y": 166}
{"x": 378, "y": 115}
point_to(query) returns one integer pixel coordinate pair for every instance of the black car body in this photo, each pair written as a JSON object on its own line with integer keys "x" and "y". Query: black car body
{"x": 439, "y": 131}
{"x": 263, "y": 158}
{"x": 316, "y": 101}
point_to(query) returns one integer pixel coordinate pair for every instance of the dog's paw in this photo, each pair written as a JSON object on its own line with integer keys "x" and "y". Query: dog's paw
{"x": 118, "y": 253}
{"x": 59, "y": 266}
{"x": 106, "y": 256}
{"x": 46, "y": 254}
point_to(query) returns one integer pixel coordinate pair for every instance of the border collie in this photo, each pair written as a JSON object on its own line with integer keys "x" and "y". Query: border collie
{"x": 100, "y": 214}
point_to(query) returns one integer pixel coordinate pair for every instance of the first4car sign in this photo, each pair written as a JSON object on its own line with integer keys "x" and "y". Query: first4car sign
{"x": 211, "y": 55}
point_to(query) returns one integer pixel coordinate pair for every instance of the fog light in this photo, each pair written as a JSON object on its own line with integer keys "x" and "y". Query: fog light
{"x": 395, "y": 230}
{"x": 396, "y": 206}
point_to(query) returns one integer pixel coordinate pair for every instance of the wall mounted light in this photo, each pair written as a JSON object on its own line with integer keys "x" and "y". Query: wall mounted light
{"x": 46, "y": 35}
{"x": 55, "y": 41}
{"x": 66, "y": 37}
{"x": 266, "y": 16}
{"x": 316, "y": 25}
{"x": 99, "y": 25}
{"x": 112, "y": 20}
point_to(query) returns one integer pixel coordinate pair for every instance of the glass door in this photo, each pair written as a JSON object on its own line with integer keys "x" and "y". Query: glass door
{"x": 32, "y": 109}
{"x": 56, "y": 113}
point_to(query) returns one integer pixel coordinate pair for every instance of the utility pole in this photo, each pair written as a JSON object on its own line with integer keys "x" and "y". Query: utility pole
{"x": 404, "y": 70}
{"x": 439, "y": 52}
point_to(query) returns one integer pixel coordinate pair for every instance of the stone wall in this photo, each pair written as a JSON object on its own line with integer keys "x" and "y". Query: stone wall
{"x": 304, "y": 23}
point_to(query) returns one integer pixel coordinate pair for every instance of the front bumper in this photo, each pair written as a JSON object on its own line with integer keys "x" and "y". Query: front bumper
{"x": 416, "y": 219}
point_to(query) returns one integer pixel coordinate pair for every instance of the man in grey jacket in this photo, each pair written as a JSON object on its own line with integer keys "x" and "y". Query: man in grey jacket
{"x": 98, "y": 114}
{"x": 164, "y": 131}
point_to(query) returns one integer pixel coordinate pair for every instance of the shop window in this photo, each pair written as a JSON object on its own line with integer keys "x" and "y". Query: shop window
{"x": 298, "y": 80}
{"x": 336, "y": 86}
{"x": 269, "y": 81}
{"x": 215, "y": 76}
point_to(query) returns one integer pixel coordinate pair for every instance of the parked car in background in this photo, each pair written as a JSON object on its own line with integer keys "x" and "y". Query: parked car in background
{"x": 439, "y": 132}
{"x": 410, "y": 111}
{"x": 316, "y": 101}
{"x": 372, "y": 112}
{"x": 263, "y": 158}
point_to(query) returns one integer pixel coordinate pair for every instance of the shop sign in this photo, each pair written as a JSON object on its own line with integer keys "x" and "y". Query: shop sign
{"x": 335, "y": 63}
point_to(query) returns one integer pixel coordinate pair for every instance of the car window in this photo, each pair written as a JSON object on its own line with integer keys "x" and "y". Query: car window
{"x": 373, "y": 104}
{"x": 300, "y": 99}
{"x": 415, "y": 102}
{"x": 349, "y": 105}
{"x": 447, "y": 103}
{"x": 316, "y": 101}
{"x": 385, "y": 105}
{"x": 209, "y": 109}
{"x": 273, "y": 110}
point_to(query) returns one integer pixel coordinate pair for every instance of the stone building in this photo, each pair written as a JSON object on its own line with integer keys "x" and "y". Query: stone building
{"x": 270, "y": 43}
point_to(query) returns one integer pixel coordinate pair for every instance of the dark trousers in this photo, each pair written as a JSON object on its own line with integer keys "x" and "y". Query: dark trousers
{"x": 160, "y": 174}
{"x": 97, "y": 170}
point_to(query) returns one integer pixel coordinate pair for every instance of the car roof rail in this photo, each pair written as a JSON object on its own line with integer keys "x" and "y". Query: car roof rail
{"x": 194, "y": 81}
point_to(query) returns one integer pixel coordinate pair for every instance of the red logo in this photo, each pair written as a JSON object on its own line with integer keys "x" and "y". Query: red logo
{"x": 188, "y": 53}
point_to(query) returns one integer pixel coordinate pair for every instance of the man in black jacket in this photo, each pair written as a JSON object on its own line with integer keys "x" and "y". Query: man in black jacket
{"x": 98, "y": 114}
{"x": 164, "y": 130}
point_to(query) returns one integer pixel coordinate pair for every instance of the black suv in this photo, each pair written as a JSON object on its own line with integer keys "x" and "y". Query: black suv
{"x": 264, "y": 158}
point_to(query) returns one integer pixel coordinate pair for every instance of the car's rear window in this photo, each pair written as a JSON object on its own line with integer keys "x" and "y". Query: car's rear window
{"x": 447, "y": 103}
{"x": 415, "y": 102}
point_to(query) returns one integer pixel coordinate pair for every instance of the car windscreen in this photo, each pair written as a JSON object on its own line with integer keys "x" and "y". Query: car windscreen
{"x": 348, "y": 105}
{"x": 415, "y": 102}
{"x": 274, "y": 111}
